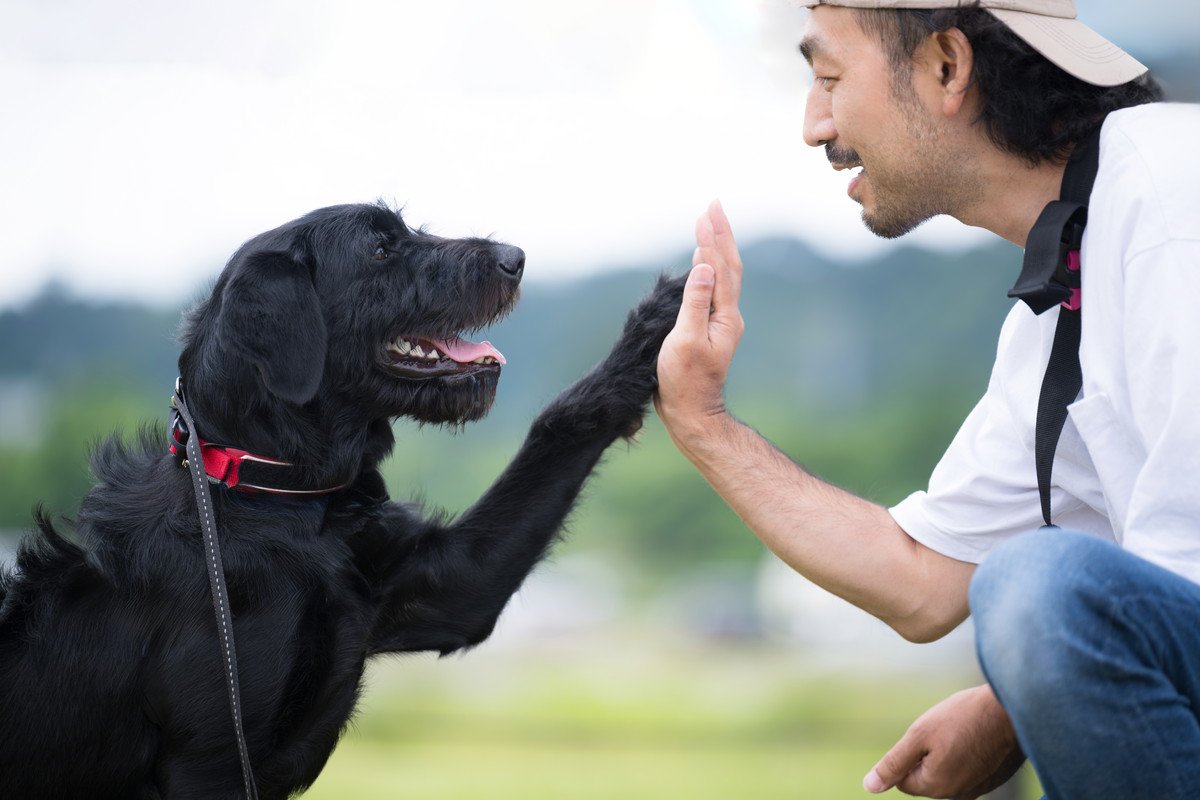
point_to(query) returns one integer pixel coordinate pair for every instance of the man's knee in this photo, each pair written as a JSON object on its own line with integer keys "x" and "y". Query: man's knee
{"x": 1030, "y": 598}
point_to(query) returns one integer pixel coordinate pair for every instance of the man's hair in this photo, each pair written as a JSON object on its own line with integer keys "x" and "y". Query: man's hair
{"x": 1030, "y": 107}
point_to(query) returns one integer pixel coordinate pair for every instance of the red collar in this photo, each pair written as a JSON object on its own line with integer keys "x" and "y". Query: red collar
{"x": 225, "y": 465}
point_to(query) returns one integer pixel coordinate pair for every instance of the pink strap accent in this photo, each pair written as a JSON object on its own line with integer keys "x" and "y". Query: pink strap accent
{"x": 1073, "y": 265}
{"x": 222, "y": 463}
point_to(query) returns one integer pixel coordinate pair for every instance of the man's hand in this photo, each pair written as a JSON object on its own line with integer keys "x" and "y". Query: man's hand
{"x": 695, "y": 357}
{"x": 961, "y": 748}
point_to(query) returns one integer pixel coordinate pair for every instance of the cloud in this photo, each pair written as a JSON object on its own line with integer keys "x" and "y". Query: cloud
{"x": 144, "y": 141}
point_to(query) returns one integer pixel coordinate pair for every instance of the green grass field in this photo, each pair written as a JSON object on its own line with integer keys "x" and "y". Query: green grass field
{"x": 692, "y": 723}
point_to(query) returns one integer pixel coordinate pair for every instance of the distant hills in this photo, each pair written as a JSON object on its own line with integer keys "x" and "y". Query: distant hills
{"x": 818, "y": 331}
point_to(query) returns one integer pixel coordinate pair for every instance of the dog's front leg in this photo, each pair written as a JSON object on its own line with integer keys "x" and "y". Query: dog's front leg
{"x": 453, "y": 580}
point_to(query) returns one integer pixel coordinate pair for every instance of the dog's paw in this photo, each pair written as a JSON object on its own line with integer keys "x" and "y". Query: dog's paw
{"x": 631, "y": 370}
{"x": 613, "y": 398}
{"x": 648, "y": 325}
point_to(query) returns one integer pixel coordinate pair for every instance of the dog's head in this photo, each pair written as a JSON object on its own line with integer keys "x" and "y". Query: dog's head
{"x": 349, "y": 307}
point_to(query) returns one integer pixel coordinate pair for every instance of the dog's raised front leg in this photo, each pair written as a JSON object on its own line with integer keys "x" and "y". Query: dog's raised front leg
{"x": 450, "y": 583}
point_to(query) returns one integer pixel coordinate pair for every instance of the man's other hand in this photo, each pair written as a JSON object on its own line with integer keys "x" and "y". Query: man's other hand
{"x": 962, "y": 748}
{"x": 695, "y": 357}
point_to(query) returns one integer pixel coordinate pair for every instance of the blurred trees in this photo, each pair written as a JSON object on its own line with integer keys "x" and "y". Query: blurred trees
{"x": 860, "y": 372}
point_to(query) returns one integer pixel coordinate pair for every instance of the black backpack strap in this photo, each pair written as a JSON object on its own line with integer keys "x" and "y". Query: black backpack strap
{"x": 1060, "y": 387}
{"x": 1050, "y": 276}
{"x": 1080, "y": 176}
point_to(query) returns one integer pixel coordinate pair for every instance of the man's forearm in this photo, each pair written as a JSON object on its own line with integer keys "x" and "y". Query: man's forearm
{"x": 841, "y": 542}
{"x": 849, "y": 546}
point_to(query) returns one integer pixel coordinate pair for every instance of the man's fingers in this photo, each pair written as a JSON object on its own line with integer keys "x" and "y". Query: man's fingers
{"x": 706, "y": 244}
{"x": 697, "y": 302}
{"x": 717, "y": 247}
{"x": 706, "y": 236}
{"x": 715, "y": 238}
{"x": 897, "y": 763}
{"x": 723, "y": 236}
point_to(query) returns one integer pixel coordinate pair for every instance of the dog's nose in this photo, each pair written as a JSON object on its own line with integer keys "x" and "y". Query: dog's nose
{"x": 510, "y": 260}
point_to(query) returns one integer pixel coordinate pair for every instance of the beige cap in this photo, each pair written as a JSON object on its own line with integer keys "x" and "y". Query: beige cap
{"x": 1048, "y": 26}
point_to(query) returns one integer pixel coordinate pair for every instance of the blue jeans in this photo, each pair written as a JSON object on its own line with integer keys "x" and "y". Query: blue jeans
{"x": 1095, "y": 654}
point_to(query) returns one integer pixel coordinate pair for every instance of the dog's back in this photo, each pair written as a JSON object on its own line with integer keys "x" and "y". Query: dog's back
{"x": 69, "y": 677}
{"x": 111, "y": 683}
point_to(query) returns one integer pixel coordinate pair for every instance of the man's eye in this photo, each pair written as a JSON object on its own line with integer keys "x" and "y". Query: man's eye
{"x": 826, "y": 83}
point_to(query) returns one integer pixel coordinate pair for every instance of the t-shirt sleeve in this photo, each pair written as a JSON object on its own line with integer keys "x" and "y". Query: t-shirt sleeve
{"x": 984, "y": 488}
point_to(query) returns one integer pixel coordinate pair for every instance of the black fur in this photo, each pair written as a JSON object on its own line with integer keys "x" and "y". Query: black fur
{"x": 110, "y": 678}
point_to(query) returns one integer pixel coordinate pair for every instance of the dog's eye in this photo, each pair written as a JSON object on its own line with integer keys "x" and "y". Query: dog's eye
{"x": 381, "y": 252}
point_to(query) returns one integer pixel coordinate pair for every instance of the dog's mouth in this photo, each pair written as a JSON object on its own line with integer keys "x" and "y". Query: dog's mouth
{"x": 412, "y": 356}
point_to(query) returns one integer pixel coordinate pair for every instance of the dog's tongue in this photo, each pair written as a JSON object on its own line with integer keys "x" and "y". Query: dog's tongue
{"x": 464, "y": 352}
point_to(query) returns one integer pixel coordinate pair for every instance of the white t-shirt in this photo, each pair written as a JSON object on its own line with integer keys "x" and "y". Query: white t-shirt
{"x": 1127, "y": 466}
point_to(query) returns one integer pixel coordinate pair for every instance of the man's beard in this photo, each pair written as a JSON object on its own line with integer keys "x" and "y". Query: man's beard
{"x": 926, "y": 189}
{"x": 898, "y": 208}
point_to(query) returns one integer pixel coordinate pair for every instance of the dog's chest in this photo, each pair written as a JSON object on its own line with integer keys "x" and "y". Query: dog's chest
{"x": 301, "y": 665}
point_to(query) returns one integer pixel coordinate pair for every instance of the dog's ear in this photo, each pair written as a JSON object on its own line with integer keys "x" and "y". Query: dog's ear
{"x": 270, "y": 314}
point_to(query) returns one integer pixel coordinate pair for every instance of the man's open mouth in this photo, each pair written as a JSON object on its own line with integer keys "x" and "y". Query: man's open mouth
{"x": 859, "y": 173}
{"x": 412, "y": 356}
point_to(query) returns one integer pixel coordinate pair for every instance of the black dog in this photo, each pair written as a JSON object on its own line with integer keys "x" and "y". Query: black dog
{"x": 315, "y": 336}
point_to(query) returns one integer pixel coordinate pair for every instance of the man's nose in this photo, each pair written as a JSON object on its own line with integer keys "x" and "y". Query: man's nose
{"x": 818, "y": 117}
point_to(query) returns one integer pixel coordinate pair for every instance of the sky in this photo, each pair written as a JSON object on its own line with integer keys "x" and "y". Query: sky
{"x": 142, "y": 141}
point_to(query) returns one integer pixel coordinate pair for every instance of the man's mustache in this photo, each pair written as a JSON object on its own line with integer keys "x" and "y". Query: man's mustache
{"x": 841, "y": 155}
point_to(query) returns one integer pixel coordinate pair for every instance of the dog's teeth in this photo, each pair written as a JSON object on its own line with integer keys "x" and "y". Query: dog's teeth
{"x": 417, "y": 351}
{"x": 432, "y": 354}
{"x": 403, "y": 347}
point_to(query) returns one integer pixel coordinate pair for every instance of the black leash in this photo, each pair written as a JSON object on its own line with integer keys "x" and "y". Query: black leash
{"x": 1050, "y": 276}
{"x": 216, "y": 581}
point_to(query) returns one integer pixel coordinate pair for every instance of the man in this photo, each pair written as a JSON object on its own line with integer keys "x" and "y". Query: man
{"x": 1089, "y": 636}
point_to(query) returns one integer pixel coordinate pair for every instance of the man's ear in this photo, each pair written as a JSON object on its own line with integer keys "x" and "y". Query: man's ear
{"x": 270, "y": 315}
{"x": 955, "y": 61}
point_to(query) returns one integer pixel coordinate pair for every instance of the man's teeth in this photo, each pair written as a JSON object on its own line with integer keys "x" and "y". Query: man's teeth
{"x": 403, "y": 347}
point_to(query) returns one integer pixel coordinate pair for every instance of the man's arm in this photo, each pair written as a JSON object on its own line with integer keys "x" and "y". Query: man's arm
{"x": 843, "y": 543}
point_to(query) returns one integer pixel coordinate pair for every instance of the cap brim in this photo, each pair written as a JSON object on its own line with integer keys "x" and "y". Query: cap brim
{"x": 1074, "y": 47}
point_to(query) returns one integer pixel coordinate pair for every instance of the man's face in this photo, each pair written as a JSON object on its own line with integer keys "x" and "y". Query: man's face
{"x": 862, "y": 118}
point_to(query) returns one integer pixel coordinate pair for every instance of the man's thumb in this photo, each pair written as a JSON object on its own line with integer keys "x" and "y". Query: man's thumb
{"x": 697, "y": 299}
{"x": 897, "y": 763}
